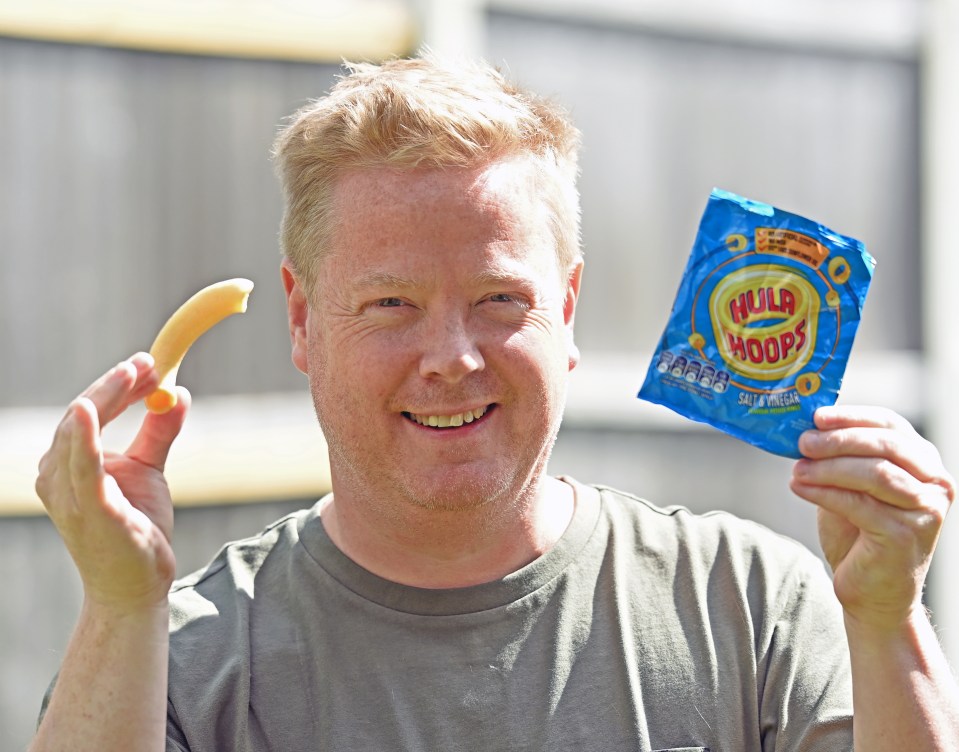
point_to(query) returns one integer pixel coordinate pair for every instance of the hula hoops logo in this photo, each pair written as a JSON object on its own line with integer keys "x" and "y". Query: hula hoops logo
{"x": 764, "y": 320}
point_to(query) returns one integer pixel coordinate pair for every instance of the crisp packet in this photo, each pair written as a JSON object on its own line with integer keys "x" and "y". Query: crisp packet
{"x": 762, "y": 324}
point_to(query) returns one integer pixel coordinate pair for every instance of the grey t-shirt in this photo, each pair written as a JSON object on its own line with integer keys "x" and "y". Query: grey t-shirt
{"x": 642, "y": 629}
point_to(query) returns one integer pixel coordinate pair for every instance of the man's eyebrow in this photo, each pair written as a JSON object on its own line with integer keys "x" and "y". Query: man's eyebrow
{"x": 499, "y": 277}
{"x": 383, "y": 282}
{"x": 378, "y": 279}
{"x": 383, "y": 279}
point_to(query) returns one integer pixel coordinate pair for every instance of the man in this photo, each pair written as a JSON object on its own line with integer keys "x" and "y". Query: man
{"x": 449, "y": 594}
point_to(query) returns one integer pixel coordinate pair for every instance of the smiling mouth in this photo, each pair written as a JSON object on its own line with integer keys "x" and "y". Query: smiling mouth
{"x": 449, "y": 421}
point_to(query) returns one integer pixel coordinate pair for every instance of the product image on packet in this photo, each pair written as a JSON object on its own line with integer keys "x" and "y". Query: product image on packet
{"x": 762, "y": 324}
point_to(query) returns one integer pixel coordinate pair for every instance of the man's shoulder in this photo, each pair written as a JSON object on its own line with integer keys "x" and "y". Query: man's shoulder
{"x": 677, "y": 531}
{"x": 231, "y": 575}
{"x": 214, "y": 612}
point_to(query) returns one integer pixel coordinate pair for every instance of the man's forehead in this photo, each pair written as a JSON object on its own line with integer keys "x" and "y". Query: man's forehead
{"x": 512, "y": 179}
{"x": 392, "y": 224}
{"x": 392, "y": 208}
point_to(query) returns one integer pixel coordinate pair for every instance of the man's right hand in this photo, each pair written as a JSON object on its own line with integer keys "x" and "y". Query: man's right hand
{"x": 113, "y": 510}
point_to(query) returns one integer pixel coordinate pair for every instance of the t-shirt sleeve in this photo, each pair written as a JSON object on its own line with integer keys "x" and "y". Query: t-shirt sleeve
{"x": 806, "y": 692}
{"x": 175, "y": 739}
{"x": 45, "y": 702}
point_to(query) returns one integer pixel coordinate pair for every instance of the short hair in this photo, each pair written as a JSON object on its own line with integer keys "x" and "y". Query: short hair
{"x": 421, "y": 112}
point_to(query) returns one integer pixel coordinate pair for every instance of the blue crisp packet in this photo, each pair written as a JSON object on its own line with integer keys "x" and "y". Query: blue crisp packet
{"x": 762, "y": 324}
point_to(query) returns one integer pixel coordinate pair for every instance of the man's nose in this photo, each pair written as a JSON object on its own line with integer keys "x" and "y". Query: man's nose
{"x": 450, "y": 351}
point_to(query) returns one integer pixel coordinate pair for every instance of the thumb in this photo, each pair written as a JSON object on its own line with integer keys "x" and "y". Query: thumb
{"x": 151, "y": 446}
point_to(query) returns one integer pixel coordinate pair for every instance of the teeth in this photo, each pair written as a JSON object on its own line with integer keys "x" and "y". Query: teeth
{"x": 448, "y": 421}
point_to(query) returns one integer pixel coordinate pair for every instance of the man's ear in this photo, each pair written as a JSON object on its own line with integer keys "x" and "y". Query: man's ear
{"x": 298, "y": 314}
{"x": 573, "y": 281}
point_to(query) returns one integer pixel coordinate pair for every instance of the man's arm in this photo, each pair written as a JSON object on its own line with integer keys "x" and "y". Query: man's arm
{"x": 883, "y": 495}
{"x": 111, "y": 690}
{"x": 115, "y": 516}
{"x": 904, "y": 693}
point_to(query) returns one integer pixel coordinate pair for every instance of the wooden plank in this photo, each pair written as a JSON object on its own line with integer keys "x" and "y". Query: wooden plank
{"x": 885, "y": 27}
{"x": 941, "y": 270}
{"x": 249, "y": 448}
{"x": 291, "y": 30}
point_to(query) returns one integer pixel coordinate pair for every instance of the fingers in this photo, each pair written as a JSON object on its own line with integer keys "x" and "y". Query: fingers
{"x": 71, "y": 477}
{"x": 862, "y": 458}
{"x": 875, "y": 477}
{"x": 121, "y": 386}
{"x": 151, "y": 446}
{"x": 85, "y": 461}
{"x": 71, "y": 472}
{"x": 73, "y": 459}
{"x": 844, "y": 416}
{"x": 877, "y": 433}
{"x": 910, "y": 529}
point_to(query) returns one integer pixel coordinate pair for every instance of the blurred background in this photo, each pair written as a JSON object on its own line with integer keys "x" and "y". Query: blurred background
{"x": 135, "y": 169}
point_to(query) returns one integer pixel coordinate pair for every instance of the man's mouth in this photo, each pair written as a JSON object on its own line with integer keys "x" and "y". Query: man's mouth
{"x": 449, "y": 421}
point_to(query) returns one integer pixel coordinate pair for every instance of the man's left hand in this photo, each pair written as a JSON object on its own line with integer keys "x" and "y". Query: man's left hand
{"x": 883, "y": 494}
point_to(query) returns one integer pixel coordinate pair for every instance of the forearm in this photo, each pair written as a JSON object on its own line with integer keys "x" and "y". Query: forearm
{"x": 904, "y": 694}
{"x": 112, "y": 688}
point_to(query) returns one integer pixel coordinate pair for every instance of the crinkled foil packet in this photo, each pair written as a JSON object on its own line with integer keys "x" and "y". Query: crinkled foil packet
{"x": 762, "y": 324}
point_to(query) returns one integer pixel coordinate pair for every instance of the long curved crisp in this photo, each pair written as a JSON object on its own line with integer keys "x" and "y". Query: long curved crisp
{"x": 200, "y": 313}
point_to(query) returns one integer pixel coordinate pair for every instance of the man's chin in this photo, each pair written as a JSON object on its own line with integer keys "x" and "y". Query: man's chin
{"x": 460, "y": 491}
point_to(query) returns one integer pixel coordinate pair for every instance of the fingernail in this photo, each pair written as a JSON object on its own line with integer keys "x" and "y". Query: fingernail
{"x": 142, "y": 360}
{"x": 808, "y": 441}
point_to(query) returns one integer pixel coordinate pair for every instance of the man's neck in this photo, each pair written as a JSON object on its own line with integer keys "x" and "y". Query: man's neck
{"x": 449, "y": 549}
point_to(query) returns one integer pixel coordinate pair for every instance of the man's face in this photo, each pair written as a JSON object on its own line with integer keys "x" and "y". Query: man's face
{"x": 438, "y": 338}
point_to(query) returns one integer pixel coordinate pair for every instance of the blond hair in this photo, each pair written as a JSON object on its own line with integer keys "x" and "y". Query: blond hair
{"x": 420, "y": 112}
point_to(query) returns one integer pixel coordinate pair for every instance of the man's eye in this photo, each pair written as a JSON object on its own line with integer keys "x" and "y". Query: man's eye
{"x": 505, "y": 297}
{"x": 389, "y": 303}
